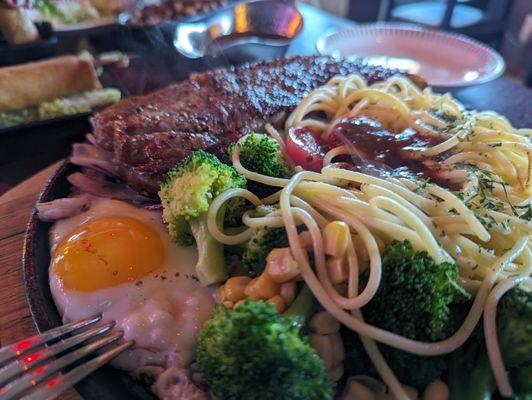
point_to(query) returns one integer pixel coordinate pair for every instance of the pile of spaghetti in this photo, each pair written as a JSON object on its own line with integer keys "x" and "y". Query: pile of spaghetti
{"x": 466, "y": 201}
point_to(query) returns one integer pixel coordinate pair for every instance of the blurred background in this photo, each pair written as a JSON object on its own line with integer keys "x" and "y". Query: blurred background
{"x": 505, "y": 25}
{"x": 130, "y": 47}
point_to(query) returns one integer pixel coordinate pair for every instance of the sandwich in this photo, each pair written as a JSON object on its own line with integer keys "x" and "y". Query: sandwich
{"x": 51, "y": 88}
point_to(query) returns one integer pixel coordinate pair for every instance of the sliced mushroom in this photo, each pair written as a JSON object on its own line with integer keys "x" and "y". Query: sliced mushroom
{"x": 323, "y": 346}
{"x": 324, "y": 323}
{"x": 336, "y": 372}
{"x": 436, "y": 390}
{"x": 356, "y": 391}
{"x": 337, "y": 348}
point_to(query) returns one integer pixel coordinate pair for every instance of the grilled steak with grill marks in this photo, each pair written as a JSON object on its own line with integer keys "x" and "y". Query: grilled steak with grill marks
{"x": 149, "y": 134}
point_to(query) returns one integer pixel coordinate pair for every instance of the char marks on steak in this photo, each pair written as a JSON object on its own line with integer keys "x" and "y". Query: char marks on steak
{"x": 150, "y": 134}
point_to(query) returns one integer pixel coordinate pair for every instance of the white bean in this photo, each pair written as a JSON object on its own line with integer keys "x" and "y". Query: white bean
{"x": 336, "y": 372}
{"x": 376, "y": 386}
{"x": 411, "y": 392}
{"x": 324, "y": 323}
{"x": 337, "y": 348}
{"x": 357, "y": 391}
{"x": 436, "y": 390}
{"x": 323, "y": 346}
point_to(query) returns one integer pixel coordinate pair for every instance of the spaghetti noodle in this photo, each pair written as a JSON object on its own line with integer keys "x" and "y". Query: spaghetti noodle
{"x": 483, "y": 226}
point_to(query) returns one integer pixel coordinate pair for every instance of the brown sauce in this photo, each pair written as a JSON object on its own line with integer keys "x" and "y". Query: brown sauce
{"x": 379, "y": 152}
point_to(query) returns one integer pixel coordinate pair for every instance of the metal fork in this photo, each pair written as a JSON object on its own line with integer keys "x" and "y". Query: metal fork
{"x": 31, "y": 368}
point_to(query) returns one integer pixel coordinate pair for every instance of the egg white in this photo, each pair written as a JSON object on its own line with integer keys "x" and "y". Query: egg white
{"x": 161, "y": 312}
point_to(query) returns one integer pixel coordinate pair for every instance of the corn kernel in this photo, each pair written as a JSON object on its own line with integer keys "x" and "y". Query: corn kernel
{"x": 262, "y": 288}
{"x": 235, "y": 286}
{"x": 279, "y": 303}
{"x": 219, "y": 296}
{"x": 238, "y": 303}
{"x": 252, "y": 290}
{"x": 337, "y": 269}
{"x": 336, "y": 237}
{"x": 281, "y": 266}
{"x": 228, "y": 304}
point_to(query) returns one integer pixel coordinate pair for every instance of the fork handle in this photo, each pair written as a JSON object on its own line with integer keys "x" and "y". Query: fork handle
{"x": 64, "y": 382}
{"x": 23, "y": 346}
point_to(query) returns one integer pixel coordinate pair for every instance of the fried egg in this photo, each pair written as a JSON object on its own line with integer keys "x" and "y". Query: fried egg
{"x": 118, "y": 261}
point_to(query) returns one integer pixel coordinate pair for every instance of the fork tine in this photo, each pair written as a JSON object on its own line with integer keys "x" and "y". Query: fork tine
{"x": 23, "y": 346}
{"x": 18, "y": 366}
{"x": 71, "y": 378}
{"x": 39, "y": 374}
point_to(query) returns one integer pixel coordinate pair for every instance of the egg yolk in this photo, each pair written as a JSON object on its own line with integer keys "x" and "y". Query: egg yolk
{"x": 107, "y": 252}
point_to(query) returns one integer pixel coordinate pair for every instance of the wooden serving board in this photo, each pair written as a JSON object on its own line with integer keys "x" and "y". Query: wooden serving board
{"x": 15, "y": 209}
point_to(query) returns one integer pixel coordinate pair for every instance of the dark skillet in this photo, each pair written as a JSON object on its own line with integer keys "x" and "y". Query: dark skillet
{"x": 106, "y": 383}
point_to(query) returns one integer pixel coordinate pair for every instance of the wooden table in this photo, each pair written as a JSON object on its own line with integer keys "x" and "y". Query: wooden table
{"x": 15, "y": 208}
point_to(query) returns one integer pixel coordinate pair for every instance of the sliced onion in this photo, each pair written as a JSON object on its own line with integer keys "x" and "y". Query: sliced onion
{"x": 90, "y": 156}
{"x": 96, "y": 184}
{"x": 63, "y": 208}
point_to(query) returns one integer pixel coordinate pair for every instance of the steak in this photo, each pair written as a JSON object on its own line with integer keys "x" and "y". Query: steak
{"x": 149, "y": 134}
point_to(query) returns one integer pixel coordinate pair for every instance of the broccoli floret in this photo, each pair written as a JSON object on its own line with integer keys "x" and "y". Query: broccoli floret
{"x": 262, "y": 154}
{"x": 413, "y": 300}
{"x": 514, "y": 327}
{"x": 521, "y": 378}
{"x": 186, "y": 195}
{"x": 303, "y": 307}
{"x": 240, "y": 249}
{"x": 471, "y": 361}
{"x": 410, "y": 369}
{"x": 263, "y": 241}
{"x": 254, "y": 353}
{"x": 414, "y": 296}
{"x": 259, "y": 246}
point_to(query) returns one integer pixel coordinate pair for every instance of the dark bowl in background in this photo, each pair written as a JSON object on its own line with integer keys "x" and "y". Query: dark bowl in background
{"x": 160, "y": 62}
{"x": 242, "y": 32}
{"x": 233, "y": 34}
{"x": 130, "y": 38}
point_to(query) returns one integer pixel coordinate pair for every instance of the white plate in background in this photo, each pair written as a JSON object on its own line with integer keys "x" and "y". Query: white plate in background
{"x": 442, "y": 59}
